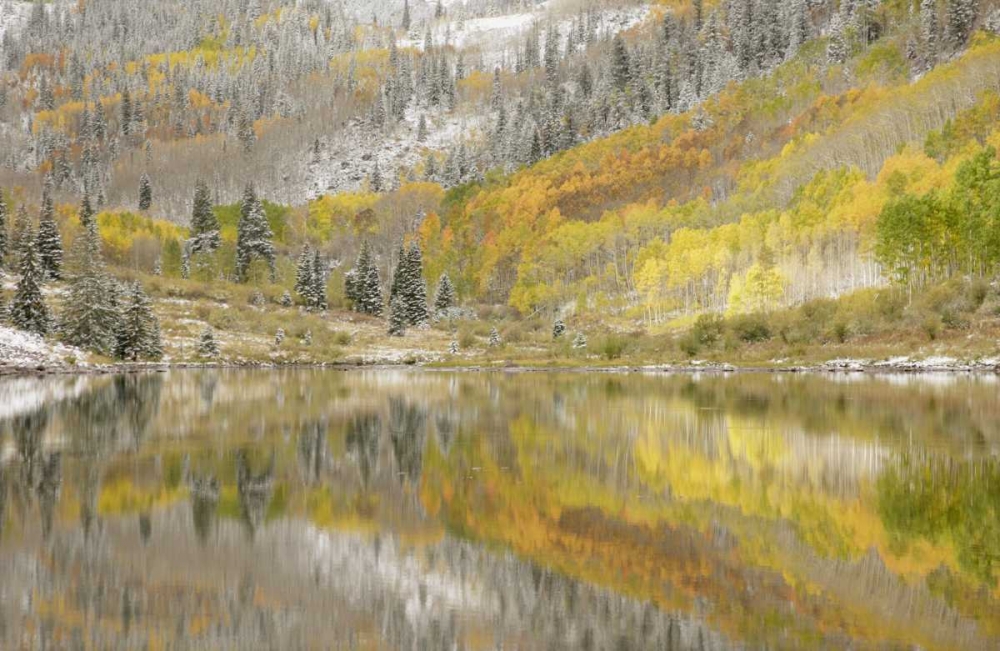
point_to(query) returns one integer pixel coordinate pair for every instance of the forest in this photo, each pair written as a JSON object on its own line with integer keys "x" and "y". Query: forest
{"x": 718, "y": 174}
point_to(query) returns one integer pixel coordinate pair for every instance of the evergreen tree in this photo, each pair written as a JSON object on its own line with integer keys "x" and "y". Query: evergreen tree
{"x": 558, "y": 329}
{"x": 138, "y": 335}
{"x": 3, "y": 231}
{"x": 400, "y": 275}
{"x": 406, "y": 15}
{"x": 253, "y": 238}
{"x": 376, "y": 179}
{"x": 620, "y": 66}
{"x": 363, "y": 286}
{"x": 445, "y": 297}
{"x": 580, "y": 341}
{"x": 208, "y": 347}
{"x": 961, "y": 17}
{"x": 21, "y": 234}
{"x": 438, "y": 9}
{"x": 929, "y": 28}
{"x": 48, "y": 243}
{"x": 145, "y": 192}
{"x": 286, "y": 299}
{"x": 205, "y": 236}
{"x": 303, "y": 276}
{"x": 422, "y": 128}
{"x": 28, "y": 310}
{"x": 495, "y": 340}
{"x": 89, "y": 318}
{"x": 414, "y": 289}
{"x": 318, "y": 277}
{"x": 453, "y": 347}
{"x": 397, "y": 317}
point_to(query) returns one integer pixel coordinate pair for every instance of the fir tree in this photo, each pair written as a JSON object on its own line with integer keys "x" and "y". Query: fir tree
{"x": 422, "y": 128}
{"x": 406, "y": 15}
{"x": 303, "y": 276}
{"x": 445, "y": 297}
{"x": 279, "y": 337}
{"x": 145, "y": 192}
{"x": 28, "y": 310}
{"x": 620, "y": 66}
{"x": 376, "y": 179}
{"x": 48, "y": 243}
{"x": 138, "y": 335}
{"x": 453, "y": 347}
{"x": 495, "y": 340}
{"x": 558, "y": 329}
{"x": 400, "y": 275}
{"x": 362, "y": 285}
{"x": 208, "y": 347}
{"x": 961, "y": 17}
{"x": 414, "y": 289}
{"x": 253, "y": 238}
{"x": 397, "y": 317}
{"x": 21, "y": 234}
{"x": 3, "y": 231}
{"x": 438, "y": 9}
{"x": 318, "y": 277}
{"x": 286, "y": 299}
{"x": 205, "y": 236}
{"x": 580, "y": 341}
{"x": 929, "y": 27}
{"x": 89, "y": 318}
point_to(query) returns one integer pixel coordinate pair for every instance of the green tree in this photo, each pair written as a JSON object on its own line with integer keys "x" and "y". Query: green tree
{"x": 28, "y": 310}
{"x": 49, "y": 244}
{"x": 254, "y": 236}
{"x": 138, "y": 335}
{"x": 89, "y": 318}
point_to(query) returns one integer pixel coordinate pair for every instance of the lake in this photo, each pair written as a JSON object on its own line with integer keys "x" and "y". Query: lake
{"x": 408, "y": 509}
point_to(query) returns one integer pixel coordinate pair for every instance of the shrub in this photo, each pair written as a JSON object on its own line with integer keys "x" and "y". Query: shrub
{"x": 708, "y": 329}
{"x": 466, "y": 338}
{"x": 612, "y": 346}
{"x": 751, "y": 328}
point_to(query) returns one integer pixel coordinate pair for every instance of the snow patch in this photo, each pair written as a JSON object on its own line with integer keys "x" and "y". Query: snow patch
{"x": 19, "y": 349}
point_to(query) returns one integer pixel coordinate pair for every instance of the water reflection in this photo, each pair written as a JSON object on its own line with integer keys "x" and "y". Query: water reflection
{"x": 310, "y": 509}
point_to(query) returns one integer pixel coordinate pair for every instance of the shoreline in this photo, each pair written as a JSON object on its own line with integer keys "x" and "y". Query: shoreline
{"x": 834, "y": 367}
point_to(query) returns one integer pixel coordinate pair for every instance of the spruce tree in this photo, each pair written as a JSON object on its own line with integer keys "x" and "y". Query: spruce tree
{"x": 318, "y": 277}
{"x": 303, "y": 276}
{"x": 961, "y": 17}
{"x": 363, "y": 285}
{"x": 406, "y": 15}
{"x": 414, "y": 289}
{"x": 48, "y": 243}
{"x": 208, "y": 347}
{"x": 20, "y": 235}
{"x": 286, "y": 299}
{"x": 205, "y": 236}
{"x": 138, "y": 335}
{"x": 620, "y": 66}
{"x": 400, "y": 275}
{"x": 445, "y": 294}
{"x": 397, "y": 317}
{"x": 495, "y": 340}
{"x": 3, "y": 231}
{"x": 253, "y": 239}
{"x": 558, "y": 329}
{"x": 28, "y": 310}
{"x": 580, "y": 341}
{"x": 145, "y": 192}
{"x": 89, "y": 317}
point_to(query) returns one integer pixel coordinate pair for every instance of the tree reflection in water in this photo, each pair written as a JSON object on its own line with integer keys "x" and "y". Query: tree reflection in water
{"x": 432, "y": 510}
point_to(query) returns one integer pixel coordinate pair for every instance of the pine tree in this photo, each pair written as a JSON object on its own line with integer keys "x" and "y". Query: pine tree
{"x": 445, "y": 297}
{"x": 318, "y": 277}
{"x": 89, "y": 318}
{"x": 208, "y": 347}
{"x": 580, "y": 341}
{"x": 279, "y": 337}
{"x": 620, "y": 65}
{"x": 28, "y": 310}
{"x": 558, "y": 329}
{"x": 245, "y": 132}
{"x": 422, "y": 128}
{"x": 397, "y": 317}
{"x": 400, "y": 275}
{"x": 303, "y": 275}
{"x": 138, "y": 335}
{"x": 145, "y": 192}
{"x": 961, "y": 17}
{"x": 406, "y": 15}
{"x": 438, "y": 9}
{"x": 3, "y": 231}
{"x": 414, "y": 288}
{"x": 376, "y": 179}
{"x": 21, "y": 234}
{"x": 253, "y": 238}
{"x": 453, "y": 347}
{"x": 362, "y": 284}
{"x": 929, "y": 27}
{"x": 495, "y": 340}
{"x": 48, "y": 243}
{"x": 205, "y": 236}
{"x": 286, "y": 299}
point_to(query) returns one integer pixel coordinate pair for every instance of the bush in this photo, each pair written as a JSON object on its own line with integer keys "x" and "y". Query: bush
{"x": 466, "y": 338}
{"x": 708, "y": 329}
{"x": 612, "y": 346}
{"x": 751, "y": 328}
{"x": 689, "y": 344}
{"x": 342, "y": 338}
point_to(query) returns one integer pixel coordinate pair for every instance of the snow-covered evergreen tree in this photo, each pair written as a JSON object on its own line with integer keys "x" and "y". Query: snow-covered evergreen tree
{"x": 28, "y": 310}
{"x": 253, "y": 238}
{"x": 89, "y": 315}
{"x": 48, "y": 242}
{"x": 318, "y": 282}
{"x": 558, "y": 329}
{"x": 4, "y": 242}
{"x": 414, "y": 288}
{"x": 495, "y": 340}
{"x": 580, "y": 341}
{"x": 208, "y": 347}
{"x": 961, "y": 17}
{"x": 138, "y": 333}
{"x": 205, "y": 236}
{"x": 303, "y": 276}
{"x": 445, "y": 297}
{"x": 145, "y": 192}
{"x": 20, "y": 234}
{"x": 397, "y": 317}
{"x": 286, "y": 299}
{"x": 363, "y": 285}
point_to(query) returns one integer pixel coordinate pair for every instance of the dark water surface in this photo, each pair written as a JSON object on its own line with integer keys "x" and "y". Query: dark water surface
{"x": 431, "y": 510}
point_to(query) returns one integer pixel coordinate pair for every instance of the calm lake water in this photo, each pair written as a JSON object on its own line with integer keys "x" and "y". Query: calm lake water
{"x": 432, "y": 510}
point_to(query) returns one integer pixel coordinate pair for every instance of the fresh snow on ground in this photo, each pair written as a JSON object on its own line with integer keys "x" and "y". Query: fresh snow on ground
{"x": 19, "y": 349}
